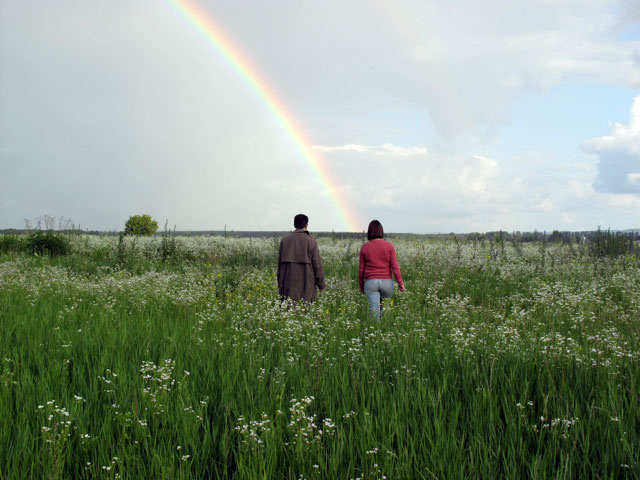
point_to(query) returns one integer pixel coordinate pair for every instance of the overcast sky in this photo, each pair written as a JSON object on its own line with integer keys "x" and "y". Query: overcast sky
{"x": 433, "y": 116}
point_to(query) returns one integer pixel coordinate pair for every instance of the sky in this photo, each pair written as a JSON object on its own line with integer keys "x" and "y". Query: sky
{"x": 431, "y": 116}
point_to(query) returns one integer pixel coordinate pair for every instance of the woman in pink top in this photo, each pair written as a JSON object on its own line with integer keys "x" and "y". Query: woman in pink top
{"x": 377, "y": 263}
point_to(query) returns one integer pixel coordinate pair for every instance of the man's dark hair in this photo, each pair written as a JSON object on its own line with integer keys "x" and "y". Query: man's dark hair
{"x": 375, "y": 230}
{"x": 300, "y": 220}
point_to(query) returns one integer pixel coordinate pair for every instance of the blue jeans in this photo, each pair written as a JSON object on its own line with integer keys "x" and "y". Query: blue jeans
{"x": 376, "y": 289}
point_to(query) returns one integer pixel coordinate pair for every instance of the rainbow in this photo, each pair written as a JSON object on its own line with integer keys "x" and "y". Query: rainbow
{"x": 215, "y": 36}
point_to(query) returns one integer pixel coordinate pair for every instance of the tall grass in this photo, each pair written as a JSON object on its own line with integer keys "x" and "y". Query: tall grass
{"x": 120, "y": 360}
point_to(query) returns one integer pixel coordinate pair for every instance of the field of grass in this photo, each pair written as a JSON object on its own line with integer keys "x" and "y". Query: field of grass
{"x": 173, "y": 358}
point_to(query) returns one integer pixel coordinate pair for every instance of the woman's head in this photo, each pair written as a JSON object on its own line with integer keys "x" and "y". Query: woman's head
{"x": 375, "y": 230}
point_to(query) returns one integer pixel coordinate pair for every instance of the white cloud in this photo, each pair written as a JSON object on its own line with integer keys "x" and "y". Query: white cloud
{"x": 384, "y": 149}
{"x": 476, "y": 174}
{"x": 579, "y": 188}
{"x": 633, "y": 178}
{"x": 343, "y": 148}
{"x": 626, "y": 201}
{"x": 432, "y": 192}
{"x": 568, "y": 218}
{"x": 623, "y": 137}
{"x": 619, "y": 155}
{"x": 546, "y": 205}
{"x": 444, "y": 192}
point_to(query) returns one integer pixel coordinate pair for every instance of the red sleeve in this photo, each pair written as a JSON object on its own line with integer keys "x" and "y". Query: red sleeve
{"x": 361, "y": 270}
{"x": 395, "y": 267}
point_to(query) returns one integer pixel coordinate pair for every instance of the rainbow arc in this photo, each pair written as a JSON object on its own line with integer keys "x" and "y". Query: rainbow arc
{"x": 205, "y": 25}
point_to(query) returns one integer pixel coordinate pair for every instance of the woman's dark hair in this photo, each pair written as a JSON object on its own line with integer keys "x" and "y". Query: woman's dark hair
{"x": 300, "y": 220}
{"x": 375, "y": 230}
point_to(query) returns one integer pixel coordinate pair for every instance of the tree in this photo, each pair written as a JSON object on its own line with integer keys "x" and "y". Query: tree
{"x": 140, "y": 225}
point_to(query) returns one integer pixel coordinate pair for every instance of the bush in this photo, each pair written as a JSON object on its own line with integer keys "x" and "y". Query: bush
{"x": 168, "y": 247}
{"x": 11, "y": 243}
{"x": 140, "y": 225}
{"x": 49, "y": 243}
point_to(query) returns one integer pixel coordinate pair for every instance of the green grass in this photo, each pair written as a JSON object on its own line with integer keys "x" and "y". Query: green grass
{"x": 118, "y": 361}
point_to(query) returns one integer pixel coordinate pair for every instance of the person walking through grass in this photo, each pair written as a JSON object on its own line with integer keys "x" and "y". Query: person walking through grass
{"x": 378, "y": 264}
{"x": 299, "y": 264}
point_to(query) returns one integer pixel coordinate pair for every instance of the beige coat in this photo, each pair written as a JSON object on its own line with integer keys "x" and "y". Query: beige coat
{"x": 299, "y": 266}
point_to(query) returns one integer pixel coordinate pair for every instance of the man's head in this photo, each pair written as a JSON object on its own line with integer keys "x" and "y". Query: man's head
{"x": 300, "y": 220}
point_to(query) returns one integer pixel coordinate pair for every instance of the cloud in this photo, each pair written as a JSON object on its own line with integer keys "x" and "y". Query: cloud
{"x": 618, "y": 155}
{"x": 623, "y": 201}
{"x": 633, "y": 178}
{"x": 546, "y": 205}
{"x": 463, "y": 62}
{"x": 630, "y": 15}
{"x": 385, "y": 149}
{"x": 568, "y": 218}
{"x": 436, "y": 192}
{"x": 408, "y": 185}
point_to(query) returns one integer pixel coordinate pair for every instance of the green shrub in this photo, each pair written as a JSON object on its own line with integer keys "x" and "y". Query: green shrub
{"x": 48, "y": 243}
{"x": 168, "y": 249}
{"x": 140, "y": 225}
{"x": 11, "y": 243}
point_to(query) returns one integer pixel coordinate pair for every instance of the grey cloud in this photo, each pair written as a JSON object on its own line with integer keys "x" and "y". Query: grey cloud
{"x": 616, "y": 170}
{"x": 465, "y": 62}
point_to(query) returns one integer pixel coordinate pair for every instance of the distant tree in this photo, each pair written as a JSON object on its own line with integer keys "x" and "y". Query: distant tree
{"x": 140, "y": 225}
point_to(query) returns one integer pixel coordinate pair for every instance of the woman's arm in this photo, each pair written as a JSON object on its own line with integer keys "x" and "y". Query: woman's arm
{"x": 361, "y": 270}
{"x": 396, "y": 268}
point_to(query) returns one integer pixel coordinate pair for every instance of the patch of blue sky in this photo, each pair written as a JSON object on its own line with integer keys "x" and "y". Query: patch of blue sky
{"x": 629, "y": 33}
{"x": 560, "y": 120}
{"x": 627, "y": 15}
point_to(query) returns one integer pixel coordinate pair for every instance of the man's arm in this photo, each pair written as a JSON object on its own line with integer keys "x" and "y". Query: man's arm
{"x": 316, "y": 263}
{"x": 279, "y": 264}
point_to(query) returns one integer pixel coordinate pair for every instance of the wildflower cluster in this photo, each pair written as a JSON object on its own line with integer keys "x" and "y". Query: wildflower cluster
{"x": 158, "y": 382}
{"x": 57, "y": 425}
{"x": 251, "y": 432}
{"x": 305, "y": 428}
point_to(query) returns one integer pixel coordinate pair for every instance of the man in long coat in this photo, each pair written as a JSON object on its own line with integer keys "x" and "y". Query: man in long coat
{"x": 299, "y": 264}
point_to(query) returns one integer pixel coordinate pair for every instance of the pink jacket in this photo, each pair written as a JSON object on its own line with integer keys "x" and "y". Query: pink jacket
{"x": 378, "y": 260}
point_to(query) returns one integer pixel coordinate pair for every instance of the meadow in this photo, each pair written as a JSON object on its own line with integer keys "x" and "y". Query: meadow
{"x": 173, "y": 357}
